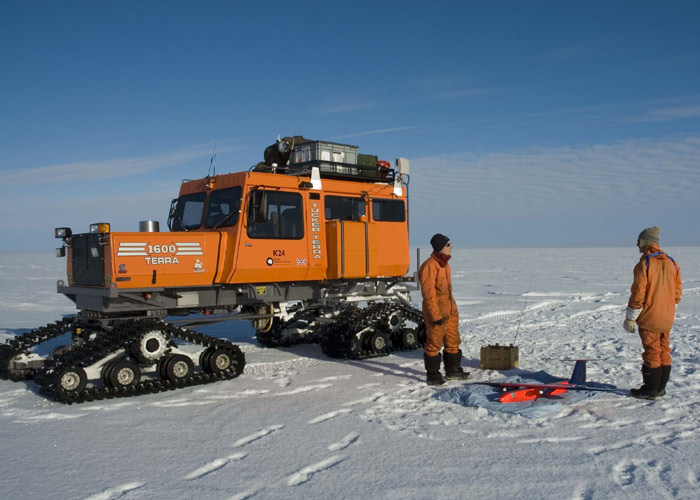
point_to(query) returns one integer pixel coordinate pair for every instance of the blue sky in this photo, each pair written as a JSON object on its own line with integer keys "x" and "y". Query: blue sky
{"x": 526, "y": 123}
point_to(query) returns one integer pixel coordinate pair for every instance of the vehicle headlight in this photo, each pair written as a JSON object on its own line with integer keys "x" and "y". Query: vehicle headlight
{"x": 62, "y": 232}
{"x": 99, "y": 228}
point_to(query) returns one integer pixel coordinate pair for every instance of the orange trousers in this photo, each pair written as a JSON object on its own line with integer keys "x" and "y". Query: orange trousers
{"x": 446, "y": 334}
{"x": 657, "y": 350}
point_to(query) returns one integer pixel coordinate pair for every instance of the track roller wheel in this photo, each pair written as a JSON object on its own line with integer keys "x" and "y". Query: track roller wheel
{"x": 407, "y": 338}
{"x": 150, "y": 347}
{"x": 72, "y": 380}
{"x": 394, "y": 321}
{"x": 121, "y": 373}
{"x": 218, "y": 360}
{"x": 377, "y": 342}
{"x": 177, "y": 367}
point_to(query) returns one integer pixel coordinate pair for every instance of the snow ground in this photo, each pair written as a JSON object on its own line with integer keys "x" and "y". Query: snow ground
{"x": 298, "y": 425}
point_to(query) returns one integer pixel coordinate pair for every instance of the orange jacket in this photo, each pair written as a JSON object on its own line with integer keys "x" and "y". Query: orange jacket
{"x": 436, "y": 287}
{"x": 656, "y": 290}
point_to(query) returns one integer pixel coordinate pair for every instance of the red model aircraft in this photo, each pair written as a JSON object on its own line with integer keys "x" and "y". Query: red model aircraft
{"x": 517, "y": 392}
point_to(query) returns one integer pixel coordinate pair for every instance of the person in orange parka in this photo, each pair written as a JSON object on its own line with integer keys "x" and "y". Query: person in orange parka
{"x": 440, "y": 313}
{"x": 656, "y": 290}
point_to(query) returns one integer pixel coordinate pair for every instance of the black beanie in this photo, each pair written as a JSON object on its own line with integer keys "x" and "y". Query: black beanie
{"x": 439, "y": 241}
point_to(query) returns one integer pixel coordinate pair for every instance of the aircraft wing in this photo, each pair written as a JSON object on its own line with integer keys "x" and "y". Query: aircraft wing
{"x": 559, "y": 385}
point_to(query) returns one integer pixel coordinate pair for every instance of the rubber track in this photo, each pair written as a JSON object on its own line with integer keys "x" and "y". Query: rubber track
{"x": 339, "y": 339}
{"x": 22, "y": 343}
{"x": 121, "y": 335}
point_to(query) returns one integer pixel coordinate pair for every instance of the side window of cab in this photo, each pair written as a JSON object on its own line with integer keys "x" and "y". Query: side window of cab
{"x": 275, "y": 215}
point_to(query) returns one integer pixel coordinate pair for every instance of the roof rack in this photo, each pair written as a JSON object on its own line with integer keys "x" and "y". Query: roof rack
{"x": 334, "y": 170}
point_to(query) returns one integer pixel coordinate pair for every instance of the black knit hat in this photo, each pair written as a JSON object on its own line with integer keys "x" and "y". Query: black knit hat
{"x": 439, "y": 241}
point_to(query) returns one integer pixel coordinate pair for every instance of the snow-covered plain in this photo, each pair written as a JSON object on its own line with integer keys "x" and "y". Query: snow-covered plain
{"x": 298, "y": 425}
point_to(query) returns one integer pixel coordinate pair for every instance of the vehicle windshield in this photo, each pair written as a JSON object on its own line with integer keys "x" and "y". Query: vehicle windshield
{"x": 187, "y": 212}
{"x": 223, "y": 208}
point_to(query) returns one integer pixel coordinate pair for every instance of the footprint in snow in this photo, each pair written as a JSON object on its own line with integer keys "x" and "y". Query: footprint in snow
{"x": 258, "y": 435}
{"x": 330, "y": 415}
{"x": 370, "y": 399}
{"x": 214, "y": 465}
{"x": 244, "y": 495}
{"x": 116, "y": 492}
{"x": 345, "y": 442}
{"x": 336, "y": 377}
{"x": 306, "y": 473}
{"x": 624, "y": 473}
{"x": 582, "y": 492}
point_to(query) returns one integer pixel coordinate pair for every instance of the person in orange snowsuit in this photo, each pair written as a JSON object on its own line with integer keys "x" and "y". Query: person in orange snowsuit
{"x": 656, "y": 290}
{"x": 440, "y": 313}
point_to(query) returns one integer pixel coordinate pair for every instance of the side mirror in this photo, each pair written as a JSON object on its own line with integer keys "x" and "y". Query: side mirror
{"x": 171, "y": 214}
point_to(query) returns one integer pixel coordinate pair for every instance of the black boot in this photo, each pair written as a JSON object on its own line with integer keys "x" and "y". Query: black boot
{"x": 650, "y": 389}
{"x": 665, "y": 374}
{"x": 432, "y": 366}
{"x": 453, "y": 370}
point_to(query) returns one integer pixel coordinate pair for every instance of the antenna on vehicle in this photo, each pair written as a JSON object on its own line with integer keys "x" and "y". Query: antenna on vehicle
{"x": 212, "y": 163}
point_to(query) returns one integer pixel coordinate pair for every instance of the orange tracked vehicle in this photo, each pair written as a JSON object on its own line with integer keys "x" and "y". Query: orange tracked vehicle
{"x": 296, "y": 244}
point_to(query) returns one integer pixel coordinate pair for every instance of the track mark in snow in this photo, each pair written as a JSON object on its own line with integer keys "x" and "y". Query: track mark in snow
{"x": 214, "y": 465}
{"x": 116, "y": 492}
{"x": 254, "y": 437}
{"x": 307, "y": 472}
{"x": 345, "y": 442}
{"x": 179, "y": 403}
{"x": 306, "y": 388}
{"x": 22, "y": 418}
{"x": 237, "y": 395}
{"x": 599, "y": 450}
{"x": 330, "y": 415}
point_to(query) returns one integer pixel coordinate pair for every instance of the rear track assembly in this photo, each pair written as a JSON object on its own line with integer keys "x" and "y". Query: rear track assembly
{"x": 121, "y": 352}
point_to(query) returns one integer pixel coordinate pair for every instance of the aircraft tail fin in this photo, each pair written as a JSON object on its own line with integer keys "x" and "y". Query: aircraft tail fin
{"x": 579, "y": 375}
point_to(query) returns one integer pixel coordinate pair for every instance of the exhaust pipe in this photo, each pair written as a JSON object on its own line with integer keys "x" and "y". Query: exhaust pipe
{"x": 149, "y": 226}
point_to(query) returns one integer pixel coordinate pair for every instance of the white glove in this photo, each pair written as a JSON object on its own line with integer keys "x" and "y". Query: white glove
{"x": 632, "y": 314}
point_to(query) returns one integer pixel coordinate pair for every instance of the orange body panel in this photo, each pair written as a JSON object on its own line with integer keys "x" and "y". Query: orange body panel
{"x": 351, "y": 249}
{"x": 143, "y": 260}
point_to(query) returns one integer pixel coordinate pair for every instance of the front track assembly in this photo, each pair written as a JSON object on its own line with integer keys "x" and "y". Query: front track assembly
{"x": 376, "y": 330}
{"x": 128, "y": 358}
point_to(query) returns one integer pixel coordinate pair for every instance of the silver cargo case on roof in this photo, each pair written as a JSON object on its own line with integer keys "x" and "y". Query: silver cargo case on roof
{"x": 323, "y": 151}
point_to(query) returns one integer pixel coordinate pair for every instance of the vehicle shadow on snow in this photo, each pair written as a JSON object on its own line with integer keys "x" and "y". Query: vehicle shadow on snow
{"x": 385, "y": 365}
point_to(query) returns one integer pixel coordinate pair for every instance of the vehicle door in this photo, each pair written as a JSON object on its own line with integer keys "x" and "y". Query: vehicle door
{"x": 273, "y": 245}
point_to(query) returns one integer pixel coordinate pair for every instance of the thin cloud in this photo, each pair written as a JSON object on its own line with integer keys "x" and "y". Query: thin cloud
{"x": 667, "y": 114}
{"x": 374, "y": 132}
{"x": 602, "y": 177}
{"x": 100, "y": 170}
